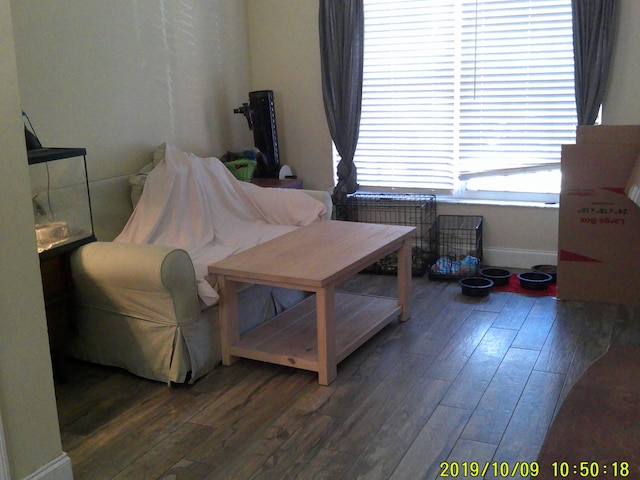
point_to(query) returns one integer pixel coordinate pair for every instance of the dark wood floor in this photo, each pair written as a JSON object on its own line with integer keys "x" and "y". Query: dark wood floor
{"x": 464, "y": 380}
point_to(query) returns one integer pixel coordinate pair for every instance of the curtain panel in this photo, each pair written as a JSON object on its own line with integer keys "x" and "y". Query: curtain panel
{"x": 595, "y": 23}
{"x": 341, "y": 25}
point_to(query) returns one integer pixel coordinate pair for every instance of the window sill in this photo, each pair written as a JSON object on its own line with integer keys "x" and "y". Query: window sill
{"x": 549, "y": 201}
{"x": 502, "y": 203}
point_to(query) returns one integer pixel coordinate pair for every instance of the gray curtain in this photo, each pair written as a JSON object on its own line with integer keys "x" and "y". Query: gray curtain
{"x": 341, "y": 24}
{"x": 594, "y": 29}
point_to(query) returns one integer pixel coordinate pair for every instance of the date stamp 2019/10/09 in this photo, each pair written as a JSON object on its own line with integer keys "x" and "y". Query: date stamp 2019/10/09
{"x": 559, "y": 469}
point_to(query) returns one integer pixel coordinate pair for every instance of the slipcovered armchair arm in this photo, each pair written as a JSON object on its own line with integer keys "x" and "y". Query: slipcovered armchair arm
{"x": 143, "y": 280}
{"x": 323, "y": 197}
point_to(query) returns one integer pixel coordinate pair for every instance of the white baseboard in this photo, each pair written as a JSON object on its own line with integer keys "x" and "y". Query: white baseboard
{"x": 516, "y": 258}
{"x": 57, "y": 469}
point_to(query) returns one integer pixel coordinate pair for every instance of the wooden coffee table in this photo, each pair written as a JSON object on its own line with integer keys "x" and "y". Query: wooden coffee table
{"x": 324, "y": 329}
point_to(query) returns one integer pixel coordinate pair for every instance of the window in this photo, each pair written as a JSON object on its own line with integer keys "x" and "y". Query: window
{"x": 466, "y": 94}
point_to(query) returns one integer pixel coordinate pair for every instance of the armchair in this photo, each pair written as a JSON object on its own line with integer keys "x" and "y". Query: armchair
{"x": 138, "y": 308}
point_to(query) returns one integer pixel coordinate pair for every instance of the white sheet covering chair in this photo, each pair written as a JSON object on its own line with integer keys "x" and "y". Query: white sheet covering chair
{"x": 138, "y": 308}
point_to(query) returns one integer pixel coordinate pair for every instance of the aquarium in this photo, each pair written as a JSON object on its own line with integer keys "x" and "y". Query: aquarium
{"x": 61, "y": 200}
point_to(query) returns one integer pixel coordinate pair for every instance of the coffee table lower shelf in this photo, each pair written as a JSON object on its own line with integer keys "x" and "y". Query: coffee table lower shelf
{"x": 290, "y": 338}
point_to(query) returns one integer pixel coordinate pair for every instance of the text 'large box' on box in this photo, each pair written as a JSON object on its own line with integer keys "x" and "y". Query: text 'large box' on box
{"x": 599, "y": 225}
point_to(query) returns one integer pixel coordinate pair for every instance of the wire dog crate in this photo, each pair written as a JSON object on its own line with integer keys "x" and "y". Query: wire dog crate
{"x": 459, "y": 246}
{"x": 410, "y": 209}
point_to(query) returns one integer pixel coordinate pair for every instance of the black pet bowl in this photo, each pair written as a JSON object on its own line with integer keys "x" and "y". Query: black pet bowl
{"x": 535, "y": 280}
{"x": 476, "y": 286}
{"x": 550, "y": 269}
{"x": 499, "y": 276}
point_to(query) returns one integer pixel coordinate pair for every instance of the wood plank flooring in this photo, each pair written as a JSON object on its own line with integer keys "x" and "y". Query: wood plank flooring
{"x": 465, "y": 380}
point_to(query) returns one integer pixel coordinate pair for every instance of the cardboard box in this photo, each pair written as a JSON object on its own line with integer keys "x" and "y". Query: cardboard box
{"x": 599, "y": 225}
{"x": 610, "y": 134}
{"x": 615, "y": 134}
{"x": 633, "y": 185}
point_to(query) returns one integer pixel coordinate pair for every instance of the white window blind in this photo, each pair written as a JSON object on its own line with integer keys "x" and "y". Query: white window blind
{"x": 457, "y": 88}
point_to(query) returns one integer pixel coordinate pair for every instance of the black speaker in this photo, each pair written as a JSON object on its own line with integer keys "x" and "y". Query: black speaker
{"x": 32, "y": 141}
{"x": 261, "y": 117}
{"x": 30, "y": 137}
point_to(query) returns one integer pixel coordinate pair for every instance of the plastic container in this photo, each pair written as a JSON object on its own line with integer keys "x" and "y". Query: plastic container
{"x": 500, "y": 276}
{"x": 550, "y": 269}
{"x": 476, "y": 286}
{"x": 535, "y": 280}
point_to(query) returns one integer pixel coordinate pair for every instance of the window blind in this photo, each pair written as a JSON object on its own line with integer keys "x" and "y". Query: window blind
{"x": 462, "y": 88}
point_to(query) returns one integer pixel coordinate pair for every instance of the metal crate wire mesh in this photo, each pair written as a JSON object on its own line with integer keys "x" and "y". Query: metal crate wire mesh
{"x": 459, "y": 246}
{"x": 410, "y": 209}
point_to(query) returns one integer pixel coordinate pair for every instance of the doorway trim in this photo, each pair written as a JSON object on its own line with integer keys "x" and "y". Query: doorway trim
{"x": 5, "y": 473}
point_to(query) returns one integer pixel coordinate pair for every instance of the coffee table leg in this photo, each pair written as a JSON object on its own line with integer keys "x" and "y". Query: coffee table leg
{"x": 404, "y": 279}
{"x": 228, "y": 310}
{"x": 326, "y": 329}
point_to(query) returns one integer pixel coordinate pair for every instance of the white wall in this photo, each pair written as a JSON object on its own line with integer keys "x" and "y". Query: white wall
{"x": 513, "y": 236}
{"x": 285, "y": 58}
{"x": 27, "y": 398}
{"x": 622, "y": 101}
{"x": 120, "y": 78}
